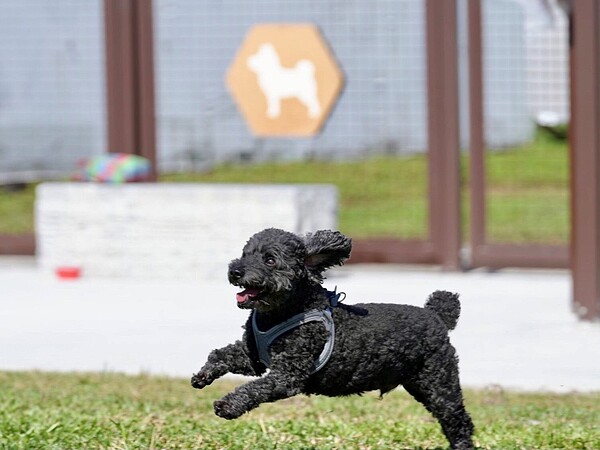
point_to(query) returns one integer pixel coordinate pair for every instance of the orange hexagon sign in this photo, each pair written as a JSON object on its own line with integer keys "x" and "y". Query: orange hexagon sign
{"x": 284, "y": 80}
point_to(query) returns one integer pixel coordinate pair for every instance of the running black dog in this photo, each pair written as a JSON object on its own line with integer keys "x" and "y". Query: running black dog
{"x": 313, "y": 344}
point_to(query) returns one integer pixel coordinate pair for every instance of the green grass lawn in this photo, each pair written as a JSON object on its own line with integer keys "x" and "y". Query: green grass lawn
{"x": 110, "y": 411}
{"x": 386, "y": 196}
{"x": 528, "y": 193}
{"x": 16, "y": 210}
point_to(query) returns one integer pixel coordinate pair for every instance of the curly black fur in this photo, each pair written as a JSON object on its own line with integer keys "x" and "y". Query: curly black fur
{"x": 377, "y": 346}
{"x": 446, "y": 305}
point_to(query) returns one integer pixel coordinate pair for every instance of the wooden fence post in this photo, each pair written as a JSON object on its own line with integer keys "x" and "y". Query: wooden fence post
{"x": 443, "y": 131}
{"x": 130, "y": 78}
{"x": 585, "y": 158}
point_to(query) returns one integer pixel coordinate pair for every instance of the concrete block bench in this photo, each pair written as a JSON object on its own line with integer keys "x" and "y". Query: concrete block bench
{"x": 168, "y": 229}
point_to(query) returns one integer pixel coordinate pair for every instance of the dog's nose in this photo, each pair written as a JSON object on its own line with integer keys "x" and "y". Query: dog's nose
{"x": 235, "y": 274}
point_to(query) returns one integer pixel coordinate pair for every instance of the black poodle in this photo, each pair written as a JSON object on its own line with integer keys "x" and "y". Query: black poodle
{"x": 312, "y": 344}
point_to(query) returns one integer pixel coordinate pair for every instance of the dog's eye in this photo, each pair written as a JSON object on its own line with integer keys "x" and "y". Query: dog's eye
{"x": 270, "y": 261}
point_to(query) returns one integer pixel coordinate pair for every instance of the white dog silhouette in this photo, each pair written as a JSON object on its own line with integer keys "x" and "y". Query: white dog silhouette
{"x": 277, "y": 82}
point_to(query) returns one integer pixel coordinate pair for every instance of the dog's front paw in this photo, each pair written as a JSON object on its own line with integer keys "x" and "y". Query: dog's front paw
{"x": 201, "y": 379}
{"x": 228, "y": 409}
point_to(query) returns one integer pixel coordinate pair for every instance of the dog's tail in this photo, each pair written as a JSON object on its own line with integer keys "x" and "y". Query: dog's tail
{"x": 446, "y": 305}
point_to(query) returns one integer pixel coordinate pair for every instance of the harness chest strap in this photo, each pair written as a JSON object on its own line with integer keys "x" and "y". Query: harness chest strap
{"x": 264, "y": 339}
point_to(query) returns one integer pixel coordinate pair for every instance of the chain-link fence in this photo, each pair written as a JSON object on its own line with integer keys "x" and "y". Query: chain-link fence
{"x": 52, "y": 107}
{"x": 527, "y": 183}
{"x": 52, "y": 104}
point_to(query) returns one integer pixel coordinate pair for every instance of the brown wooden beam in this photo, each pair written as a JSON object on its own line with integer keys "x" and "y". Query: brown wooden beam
{"x": 498, "y": 256}
{"x": 443, "y": 131}
{"x": 145, "y": 114}
{"x": 585, "y": 157}
{"x": 120, "y": 76}
{"x": 22, "y": 244}
{"x": 392, "y": 251}
{"x": 476, "y": 127}
{"x": 130, "y": 77}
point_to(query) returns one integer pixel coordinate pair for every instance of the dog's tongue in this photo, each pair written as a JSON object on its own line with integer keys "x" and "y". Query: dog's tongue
{"x": 246, "y": 295}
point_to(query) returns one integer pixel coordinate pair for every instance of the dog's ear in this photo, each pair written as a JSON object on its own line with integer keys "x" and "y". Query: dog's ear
{"x": 325, "y": 249}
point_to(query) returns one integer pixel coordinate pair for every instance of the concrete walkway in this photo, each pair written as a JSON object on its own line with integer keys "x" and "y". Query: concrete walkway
{"x": 516, "y": 329}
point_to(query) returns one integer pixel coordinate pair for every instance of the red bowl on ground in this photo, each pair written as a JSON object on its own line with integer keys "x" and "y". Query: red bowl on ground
{"x": 68, "y": 272}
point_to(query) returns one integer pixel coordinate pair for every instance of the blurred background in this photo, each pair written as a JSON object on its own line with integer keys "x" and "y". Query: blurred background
{"x": 448, "y": 142}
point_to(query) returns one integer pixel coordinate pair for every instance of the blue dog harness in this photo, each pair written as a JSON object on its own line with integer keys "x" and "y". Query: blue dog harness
{"x": 264, "y": 339}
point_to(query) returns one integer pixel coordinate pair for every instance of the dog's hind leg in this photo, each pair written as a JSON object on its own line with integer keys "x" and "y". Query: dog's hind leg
{"x": 437, "y": 387}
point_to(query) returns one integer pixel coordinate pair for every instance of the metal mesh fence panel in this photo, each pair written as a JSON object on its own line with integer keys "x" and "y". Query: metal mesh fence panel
{"x": 527, "y": 175}
{"x": 380, "y": 114}
{"x": 379, "y": 46}
{"x": 51, "y": 86}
